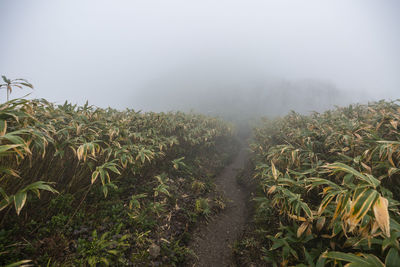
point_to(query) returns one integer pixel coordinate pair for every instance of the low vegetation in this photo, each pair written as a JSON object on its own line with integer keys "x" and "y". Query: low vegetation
{"x": 329, "y": 189}
{"x": 86, "y": 186}
{"x": 82, "y": 185}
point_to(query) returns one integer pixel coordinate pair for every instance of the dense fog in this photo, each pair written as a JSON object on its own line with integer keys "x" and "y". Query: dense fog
{"x": 235, "y": 58}
{"x": 236, "y": 94}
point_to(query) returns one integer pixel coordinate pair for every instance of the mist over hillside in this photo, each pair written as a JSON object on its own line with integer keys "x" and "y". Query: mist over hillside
{"x": 242, "y": 94}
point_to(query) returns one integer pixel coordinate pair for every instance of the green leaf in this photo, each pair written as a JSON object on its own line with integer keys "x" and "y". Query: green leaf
{"x": 277, "y": 244}
{"x": 392, "y": 258}
{"x": 348, "y": 257}
{"x": 19, "y": 201}
{"x": 373, "y": 260}
{"x": 367, "y": 260}
{"x": 105, "y": 261}
{"x": 40, "y": 185}
{"x": 27, "y": 85}
{"x": 364, "y": 202}
{"x": 321, "y": 261}
{"x": 8, "y": 171}
{"x": 5, "y": 79}
{"x": 307, "y": 210}
{"x": 4, "y": 148}
{"x": 337, "y": 166}
{"x": 394, "y": 225}
{"x": 113, "y": 169}
{"x": 310, "y": 260}
{"x": 105, "y": 190}
{"x": 4, "y": 204}
{"x": 3, "y": 127}
{"x": 4, "y": 194}
{"x": 321, "y": 181}
{"x": 113, "y": 252}
{"x": 103, "y": 175}
{"x": 13, "y": 138}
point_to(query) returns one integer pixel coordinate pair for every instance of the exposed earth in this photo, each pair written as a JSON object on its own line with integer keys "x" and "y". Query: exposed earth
{"x": 212, "y": 242}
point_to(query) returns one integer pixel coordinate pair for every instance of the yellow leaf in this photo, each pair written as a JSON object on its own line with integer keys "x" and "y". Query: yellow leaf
{"x": 274, "y": 171}
{"x": 391, "y": 159}
{"x": 360, "y": 207}
{"x": 79, "y": 152}
{"x": 382, "y": 215}
{"x": 325, "y": 203}
{"x": 342, "y": 201}
{"x": 326, "y": 189}
{"x": 299, "y": 218}
{"x": 271, "y": 189}
{"x": 367, "y": 167}
{"x": 394, "y": 123}
{"x": 302, "y": 228}
{"x": 18, "y": 152}
{"x": 3, "y": 128}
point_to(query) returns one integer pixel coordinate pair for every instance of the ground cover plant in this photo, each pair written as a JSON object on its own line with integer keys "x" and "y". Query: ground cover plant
{"x": 82, "y": 185}
{"x": 328, "y": 191}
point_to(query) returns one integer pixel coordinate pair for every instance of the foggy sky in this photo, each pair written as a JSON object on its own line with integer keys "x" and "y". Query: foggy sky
{"x": 164, "y": 55}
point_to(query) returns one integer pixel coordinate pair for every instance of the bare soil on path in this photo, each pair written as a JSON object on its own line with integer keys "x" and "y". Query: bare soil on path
{"x": 212, "y": 242}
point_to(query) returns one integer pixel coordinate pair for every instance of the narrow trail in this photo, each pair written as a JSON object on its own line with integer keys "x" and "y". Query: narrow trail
{"x": 212, "y": 243}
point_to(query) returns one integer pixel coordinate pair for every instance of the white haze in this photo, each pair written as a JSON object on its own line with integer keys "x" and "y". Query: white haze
{"x": 229, "y": 57}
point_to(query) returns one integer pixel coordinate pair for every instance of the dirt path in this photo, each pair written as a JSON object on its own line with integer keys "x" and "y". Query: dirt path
{"x": 212, "y": 242}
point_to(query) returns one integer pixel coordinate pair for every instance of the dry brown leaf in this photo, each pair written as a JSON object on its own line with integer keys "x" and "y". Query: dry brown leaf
{"x": 382, "y": 215}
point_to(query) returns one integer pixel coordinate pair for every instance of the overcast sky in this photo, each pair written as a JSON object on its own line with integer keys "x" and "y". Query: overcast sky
{"x": 133, "y": 53}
